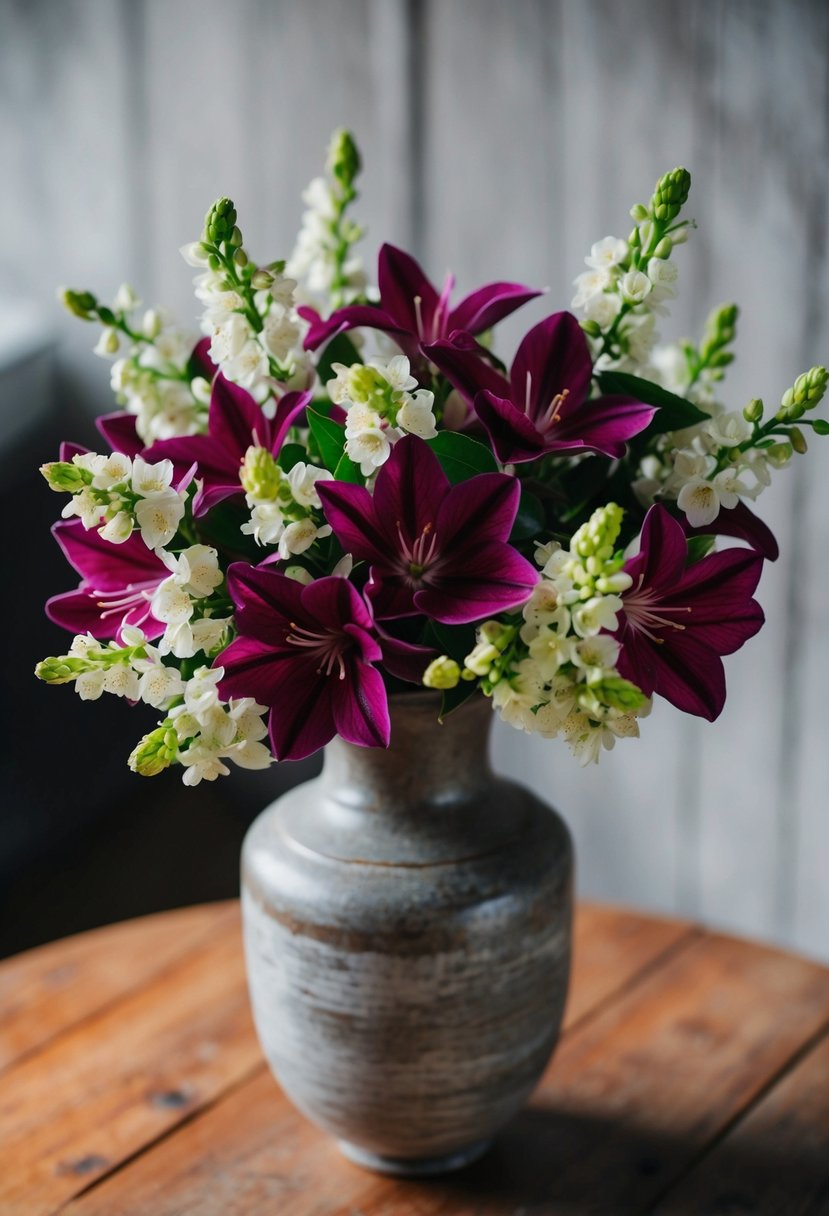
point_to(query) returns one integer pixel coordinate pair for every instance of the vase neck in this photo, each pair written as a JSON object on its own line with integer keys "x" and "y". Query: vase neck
{"x": 427, "y": 762}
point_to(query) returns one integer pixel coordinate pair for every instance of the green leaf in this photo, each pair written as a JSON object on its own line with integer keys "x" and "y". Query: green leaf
{"x": 347, "y": 470}
{"x": 675, "y": 413}
{"x": 453, "y": 698}
{"x": 455, "y": 640}
{"x": 699, "y": 546}
{"x": 289, "y": 455}
{"x": 530, "y": 519}
{"x": 339, "y": 350}
{"x": 461, "y": 457}
{"x": 329, "y": 437}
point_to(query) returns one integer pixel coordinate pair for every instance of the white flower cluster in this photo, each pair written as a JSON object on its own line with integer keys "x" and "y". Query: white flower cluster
{"x": 256, "y": 342}
{"x": 314, "y": 259}
{"x": 119, "y": 494}
{"x": 209, "y": 731}
{"x": 151, "y": 380}
{"x": 561, "y": 676}
{"x": 195, "y": 576}
{"x": 381, "y": 407}
{"x": 610, "y": 288}
{"x": 282, "y": 505}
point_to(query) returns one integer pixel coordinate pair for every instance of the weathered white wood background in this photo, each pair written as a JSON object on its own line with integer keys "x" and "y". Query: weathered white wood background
{"x": 500, "y": 140}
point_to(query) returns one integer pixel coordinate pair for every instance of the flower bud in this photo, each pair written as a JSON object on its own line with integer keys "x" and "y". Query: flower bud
{"x": 108, "y": 343}
{"x": 481, "y": 658}
{"x": 798, "y": 441}
{"x": 592, "y": 329}
{"x": 126, "y": 298}
{"x": 240, "y": 258}
{"x": 442, "y": 673}
{"x": 638, "y": 212}
{"x": 820, "y": 426}
{"x": 151, "y": 324}
{"x": 670, "y": 194}
{"x": 81, "y": 304}
{"x": 155, "y": 752}
{"x": 664, "y": 248}
{"x": 58, "y": 670}
{"x": 779, "y": 454}
{"x": 753, "y": 412}
{"x": 806, "y": 392}
{"x": 220, "y": 222}
{"x": 260, "y": 475}
{"x": 65, "y": 477}
{"x": 343, "y": 157}
{"x": 299, "y": 574}
{"x": 261, "y": 280}
{"x": 200, "y": 388}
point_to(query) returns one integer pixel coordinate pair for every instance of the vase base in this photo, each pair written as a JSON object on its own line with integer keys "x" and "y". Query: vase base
{"x": 414, "y": 1167}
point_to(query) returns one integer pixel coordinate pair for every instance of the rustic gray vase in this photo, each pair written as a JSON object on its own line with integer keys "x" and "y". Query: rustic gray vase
{"x": 407, "y": 929}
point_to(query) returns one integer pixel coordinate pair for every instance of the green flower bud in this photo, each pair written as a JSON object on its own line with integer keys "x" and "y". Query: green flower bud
{"x": 155, "y": 752}
{"x": 261, "y": 280}
{"x": 798, "y": 441}
{"x": 106, "y": 315}
{"x": 820, "y": 426}
{"x": 65, "y": 477}
{"x": 779, "y": 454}
{"x": 619, "y": 694}
{"x": 753, "y": 412}
{"x": 481, "y": 658}
{"x": 442, "y": 673}
{"x": 664, "y": 248}
{"x": 240, "y": 258}
{"x": 670, "y": 195}
{"x": 81, "y": 304}
{"x": 260, "y": 475}
{"x": 61, "y": 669}
{"x": 592, "y": 329}
{"x": 236, "y": 238}
{"x": 220, "y": 222}
{"x": 367, "y": 386}
{"x": 806, "y": 392}
{"x": 638, "y": 212}
{"x": 635, "y": 239}
{"x": 343, "y": 157}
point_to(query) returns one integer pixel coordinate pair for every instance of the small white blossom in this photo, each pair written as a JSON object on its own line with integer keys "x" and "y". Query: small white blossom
{"x": 158, "y": 517}
{"x": 299, "y": 536}
{"x": 149, "y": 480}
{"x": 302, "y": 480}
{"x": 635, "y": 286}
{"x": 700, "y": 501}
{"x": 603, "y": 309}
{"x": 416, "y": 416}
{"x": 609, "y": 251}
{"x": 596, "y": 614}
{"x": 108, "y": 344}
{"x": 728, "y": 430}
{"x": 589, "y": 284}
{"x": 369, "y": 449}
{"x": 118, "y": 529}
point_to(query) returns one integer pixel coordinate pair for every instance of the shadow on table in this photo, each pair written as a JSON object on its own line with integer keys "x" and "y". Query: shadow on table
{"x": 550, "y": 1162}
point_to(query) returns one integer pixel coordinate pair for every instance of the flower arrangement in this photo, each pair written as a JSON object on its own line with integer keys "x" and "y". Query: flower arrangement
{"x": 339, "y": 492}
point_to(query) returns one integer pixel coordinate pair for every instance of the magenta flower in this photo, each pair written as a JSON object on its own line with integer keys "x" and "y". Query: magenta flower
{"x": 677, "y": 620}
{"x": 118, "y": 582}
{"x": 235, "y": 423}
{"x": 413, "y": 311}
{"x": 308, "y": 653}
{"x": 434, "y": 548}
{"x": 543, "y": 406}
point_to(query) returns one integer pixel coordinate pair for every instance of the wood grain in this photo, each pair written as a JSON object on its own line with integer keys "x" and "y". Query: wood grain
{"x": 49, "y": 990}
{"x": 681, "y": 1044}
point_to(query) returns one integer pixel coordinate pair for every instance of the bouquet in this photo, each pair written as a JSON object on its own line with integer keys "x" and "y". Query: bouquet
{"x": 340, "y": 492}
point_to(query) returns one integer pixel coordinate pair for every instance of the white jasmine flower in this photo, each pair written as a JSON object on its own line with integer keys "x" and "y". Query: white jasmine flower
{"x": 121, "y": 681}
{"x": 149, "y": 480}
{"x": 672, "y": 366}
{"x": 250, "y": 754}
{"x": 360, "y": 417}
{"x": 86, "y": 506}
{"x": 549, "y": 649}
{"x": 729, "y": 488}
{"x": 396, "y": 372}
{"x": 158, "y": 684}
{"x": 126, "y": 298}
{"x": 635, "y": 286}
{"x": 201, "y": 692}
{"x": 108, "y": 344}
{"x": 728, "y": 430}
{"x": 280, "y": 335}
{"x": 663, "y": 276}
{"x": 282, "y": 291}
{"x": 158, "y": 517}
{"x": 609, "y": 251}
{"x": 299, "y": 536}
{"x": 603, "y": 309}
{"x": 369, "y": 449}
{"x": 641, "y": 335}
{"x": 344, "y": 566}
{"x": 337, "y": 388}
{"x": 208, "y": 632}
{"x": 201, "y": 764}
{"x": 90, "y": 684}
{"x": 588, "y": 284}
{"x": 110, "y": 471}
{"x": 84, "y": 644}
{"x": 119, "y": 528}
{"x": 596, "y": 614}
{"x": 266, "y": 523}
{"x": 700, "y": 501}
{"x": 249, "y": 366}
{"x": 196, "y": 570}
{"x": 689, "y": 464}
{"x": 194, "y": 255}
{"x": 171, "y": 603}
{"x": 229, "y": 338}
{"x": 302, "y": 480}
{"x": 201, "y": 390}
{"x": 415, "y": 415}
{"x": 600, "y": 652}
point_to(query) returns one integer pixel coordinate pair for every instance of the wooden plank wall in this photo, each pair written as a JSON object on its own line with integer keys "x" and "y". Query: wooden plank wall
{"x": 501, "y": 140}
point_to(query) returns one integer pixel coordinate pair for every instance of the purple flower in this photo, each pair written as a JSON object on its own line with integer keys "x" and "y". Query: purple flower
{"x": 543, "y": 406}
{"x": 118, "y": 583}
{"x": 413, "y": 311}
{"x": 434, "y": 548}
{"x": 308, "y": 653}
{"x": 235, "y": 423}
{"x": 677, "y": 620}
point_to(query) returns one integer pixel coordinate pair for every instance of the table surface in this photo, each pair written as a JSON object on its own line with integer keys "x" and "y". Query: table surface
{"x": 692, "y": 1077}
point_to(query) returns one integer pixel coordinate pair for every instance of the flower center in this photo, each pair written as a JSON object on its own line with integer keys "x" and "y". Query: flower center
{"x": 118, "y": 603}
{"x": 420, "y": 554}
{"x": 639, "y": 608}
{"x": 321, "y": 644}
{"x": 547, "y": 420}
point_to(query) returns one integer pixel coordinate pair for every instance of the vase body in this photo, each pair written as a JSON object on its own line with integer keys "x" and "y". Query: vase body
{"x": 407, "y": 921}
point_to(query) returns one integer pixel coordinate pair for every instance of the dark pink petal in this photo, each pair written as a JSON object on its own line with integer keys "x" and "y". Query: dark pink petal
{"x": 118, "y": 429}
{"x": 691, "y": 676}
{"x": 513, "y": 436}
{"x": 489, "y": 579}
{"x": 254, "y": 669}
{"x": 460, "y": 362}
{"x": 236, "y": 420}
{"x": 288, "y": 410}
{"x": 406, "y": 294}
{"x": 265, "y": 601}
{"x": 605, "y": 424}
{"x": 742, "y": 523}
{"x": 638, "y": 658}
{"x": 391, "y": 595}
{"x": 718, "y": 592}
{"x": 354, "y": 316}
{"x": 479, "y": 510}
{"x": 142, "y": 618}
{"x": 217, "y": 463}
{"x": 488, "y": 305}
{"x": 349, "y": 510}
{"x": 301, "y": 719}
{"x": 663, "y": 552}
{"x": 553, "y": 356}
{"x": 410, "y": 487}
{"x": 333, "y": 601}
{"x": 200, "y": 358}
{"x": 360, "y": 706}
{"x": 68, "y": 450}
{"x": 103, "y": 564}
{"x": 405, "y": 660}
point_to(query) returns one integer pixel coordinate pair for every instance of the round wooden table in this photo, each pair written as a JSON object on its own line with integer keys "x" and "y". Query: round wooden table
{"x": 692, "y": 1077}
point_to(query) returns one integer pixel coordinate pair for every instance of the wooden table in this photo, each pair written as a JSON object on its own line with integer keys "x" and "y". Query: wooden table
{"x": 692, "y": 1077}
